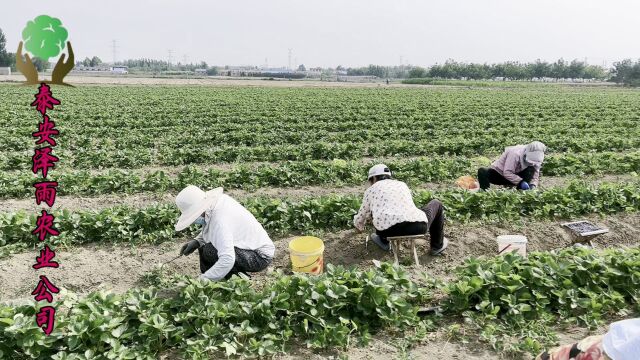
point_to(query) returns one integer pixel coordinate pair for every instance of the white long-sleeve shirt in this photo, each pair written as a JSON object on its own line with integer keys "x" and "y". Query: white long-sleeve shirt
{"x": 386, "y": 203}
{"x": 229, "y": 225}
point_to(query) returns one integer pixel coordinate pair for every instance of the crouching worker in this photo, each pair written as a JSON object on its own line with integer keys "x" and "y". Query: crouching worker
{"x": 621, "y": 342}
{"x": 518, "y": 166}
{"x": 232, "y": 241}
{"x": 389, "y": 205}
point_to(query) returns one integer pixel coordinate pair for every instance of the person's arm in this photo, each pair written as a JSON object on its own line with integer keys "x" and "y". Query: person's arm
{"x": 360, "y": 220}
{"x": 200, "y": 239}
{"x": 535, "y": 180}
{"x": 226, "y": 254}
{"x": 510, "y": 165}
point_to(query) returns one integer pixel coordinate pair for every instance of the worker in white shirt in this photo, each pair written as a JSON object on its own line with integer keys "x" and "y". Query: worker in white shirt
{"x": 232, "y": 241}
{"x": 389, "y": 205}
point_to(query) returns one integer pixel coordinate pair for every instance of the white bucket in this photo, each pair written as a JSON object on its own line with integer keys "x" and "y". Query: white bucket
{"x": 512, "y": 243}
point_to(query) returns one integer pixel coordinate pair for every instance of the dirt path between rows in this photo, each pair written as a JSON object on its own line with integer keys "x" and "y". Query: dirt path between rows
{"x": 119, "y": 268}
{"x": 147, "y": 199}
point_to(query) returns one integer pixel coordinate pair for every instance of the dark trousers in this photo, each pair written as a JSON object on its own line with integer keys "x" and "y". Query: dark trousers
{"x": 246, "y": 260}
{"x": 435, "y": 217}
{"x": 488, "y": 176}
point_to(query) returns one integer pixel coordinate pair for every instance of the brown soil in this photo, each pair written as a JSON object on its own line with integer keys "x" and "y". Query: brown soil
{"x": 118, "y": 268}
{"x": 437, "y": 345}
{"x": 148, "y": 199}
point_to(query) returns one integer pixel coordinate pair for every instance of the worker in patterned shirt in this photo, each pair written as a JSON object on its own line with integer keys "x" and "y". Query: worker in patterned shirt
{"x": 388, "y": 204}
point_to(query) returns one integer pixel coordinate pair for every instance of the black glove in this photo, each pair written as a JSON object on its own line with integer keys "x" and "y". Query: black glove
{"x": 189, "y": 247}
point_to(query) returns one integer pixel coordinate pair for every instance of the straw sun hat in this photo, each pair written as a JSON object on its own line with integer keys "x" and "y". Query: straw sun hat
{"x": 192, "y": 202}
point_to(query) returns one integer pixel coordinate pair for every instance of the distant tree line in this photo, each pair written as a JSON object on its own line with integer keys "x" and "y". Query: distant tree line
{"x": 90, "y": 62}
{"x": 626, "y": 72}
{"x": 372, "y": 70}
{"x": 151, "y": 65}
{"x": 6, "y": 58}
{"x": 511, "y": 70}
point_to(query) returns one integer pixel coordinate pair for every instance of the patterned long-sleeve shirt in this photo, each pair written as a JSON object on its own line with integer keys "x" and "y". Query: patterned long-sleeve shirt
{"x": 386, "y": 203}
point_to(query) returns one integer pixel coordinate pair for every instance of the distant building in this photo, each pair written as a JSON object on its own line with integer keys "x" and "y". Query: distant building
{"x": 314, "y": 72}
{"x": 119, "y": 69}
{"x": 275, "y": 71}
{"x": 91, "y": 69}
{"x": 200, "y": 71}
{"x": 353, "y": 78}
{"x": 237, "y": 70}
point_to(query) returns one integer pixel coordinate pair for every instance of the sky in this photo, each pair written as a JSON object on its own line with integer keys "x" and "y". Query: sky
{"x": 350, "y": 33}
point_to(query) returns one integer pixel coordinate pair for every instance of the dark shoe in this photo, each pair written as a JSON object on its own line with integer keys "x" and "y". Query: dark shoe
{"x": 445, "y": 243}
{"x": 378, "y": 240}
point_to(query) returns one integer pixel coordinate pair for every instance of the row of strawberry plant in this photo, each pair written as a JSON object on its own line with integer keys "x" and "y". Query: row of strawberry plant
{"x": 205, "y": 320}
{"x": 302, "y": 133}
{"x": 504, "y": 297}
{"x": 306, "y": 173}
{"x": 331, "y": 212}
{"x": 140, "y": 156}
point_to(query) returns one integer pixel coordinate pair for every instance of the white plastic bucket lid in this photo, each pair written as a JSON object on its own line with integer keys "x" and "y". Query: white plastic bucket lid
{"x": 514, "y": 239}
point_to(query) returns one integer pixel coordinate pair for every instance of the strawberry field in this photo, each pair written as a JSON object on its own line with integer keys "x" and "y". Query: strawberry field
{"x": 297, "y": 159}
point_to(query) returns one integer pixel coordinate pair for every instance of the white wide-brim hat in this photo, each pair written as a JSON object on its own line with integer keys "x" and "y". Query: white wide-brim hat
{"x": 192, "y": 202}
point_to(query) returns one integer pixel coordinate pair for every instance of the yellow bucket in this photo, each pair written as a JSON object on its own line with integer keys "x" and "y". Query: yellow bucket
{"x": 306, "y": 254}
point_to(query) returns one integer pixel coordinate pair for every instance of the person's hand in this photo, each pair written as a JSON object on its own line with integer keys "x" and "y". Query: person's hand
{"x": 523, "y": 185}
{"x": 189, "y": 247}
{"x": 532, "y": 187}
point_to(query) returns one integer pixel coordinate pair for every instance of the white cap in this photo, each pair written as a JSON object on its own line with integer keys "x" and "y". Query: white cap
{"x": 534, "y": 157}
{"x": 622, "y": 342}
{"x": 534, "y": 153}
{"x": 380, "y": 169}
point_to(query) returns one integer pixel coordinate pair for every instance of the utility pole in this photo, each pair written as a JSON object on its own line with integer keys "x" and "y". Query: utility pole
{"x": 114, "y": 49}
{"x": 184, "y": 59}
{"x": 290, "y": 52}
{"x": 170, "y": 58}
